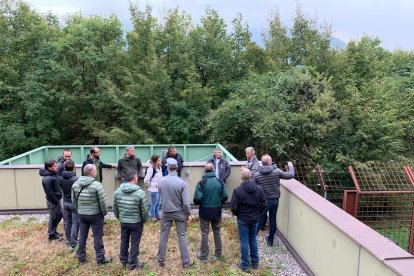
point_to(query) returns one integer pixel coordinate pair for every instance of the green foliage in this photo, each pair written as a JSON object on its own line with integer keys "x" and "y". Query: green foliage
{"x": 87, "y": 82}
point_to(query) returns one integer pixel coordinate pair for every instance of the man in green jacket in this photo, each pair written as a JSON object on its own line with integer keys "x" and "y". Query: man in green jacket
{"x": 210, "y": 193}
{"x": 89, "y": 198}
{"x": 131, "y": 209}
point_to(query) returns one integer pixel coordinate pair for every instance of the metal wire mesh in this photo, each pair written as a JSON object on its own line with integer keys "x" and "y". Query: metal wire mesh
{"x": 382, "y": 176}
{"x": 388, "y": 214}
{"x": 335, "y": 183}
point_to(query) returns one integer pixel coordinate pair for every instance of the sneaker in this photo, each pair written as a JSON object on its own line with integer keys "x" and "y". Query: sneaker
{"x": 215, "y": 258}
{"x": 72, "y": 248}
{"x": 105, "y": 261}
{"x": 245, "y": 269}
{"x": 256, "y": 266}
{"x": 190, "y": 264}
{"x": 55, "y": 238}
{"x": 161, "y": 264}
{"x": 203, "y": 260}
{"x": 139, "y": 265}
{"x": 154, "y": 219}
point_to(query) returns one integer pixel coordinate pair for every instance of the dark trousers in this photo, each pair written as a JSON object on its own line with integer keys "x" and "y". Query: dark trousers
{"x": 55, "y": 216}
{"x": 272, "y": 206}
{"x": 96, "y": 222}
{"x": 205, "y": 227}
{"x": 130, "y": 232}
{"x": 71, "y": 218}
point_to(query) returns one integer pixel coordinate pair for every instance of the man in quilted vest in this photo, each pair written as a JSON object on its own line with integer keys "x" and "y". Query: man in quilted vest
{"x": 131, "y": 209}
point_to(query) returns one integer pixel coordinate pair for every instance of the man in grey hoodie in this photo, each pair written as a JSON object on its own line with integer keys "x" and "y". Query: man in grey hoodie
{"x": 268, "y": 177}
{"x": 174, "y": 207}
{"x": 89, "y": 198}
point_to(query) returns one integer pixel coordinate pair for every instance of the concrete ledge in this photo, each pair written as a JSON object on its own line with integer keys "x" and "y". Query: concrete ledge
{"x": 329, "y": 240}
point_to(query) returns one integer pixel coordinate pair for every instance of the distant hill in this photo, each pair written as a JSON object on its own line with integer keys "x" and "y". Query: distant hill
{"x": 337, "y": 43}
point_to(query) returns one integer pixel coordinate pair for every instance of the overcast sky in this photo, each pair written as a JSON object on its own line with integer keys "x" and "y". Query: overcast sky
{"x": 391, "y": 20}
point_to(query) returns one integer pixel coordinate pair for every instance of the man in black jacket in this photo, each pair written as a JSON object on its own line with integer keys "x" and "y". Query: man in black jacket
{"x": 247, "y": 203}
{"x": 70, "y": 214}
{"x": 66, "y": 155}
{"x": 221, "y": 166}
{"x": 128, "y": 161}
{"x": 268, "y": 177}
{"x": 172, "y": 153}
{"x": 53, "y": 193}
{"x": 93, "y": 158}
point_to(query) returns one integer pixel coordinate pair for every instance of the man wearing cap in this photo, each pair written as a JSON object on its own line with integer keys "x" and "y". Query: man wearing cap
{"x": 174, "y": 206}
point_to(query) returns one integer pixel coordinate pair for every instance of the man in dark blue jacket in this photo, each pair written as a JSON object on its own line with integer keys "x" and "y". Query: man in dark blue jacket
{"x": 210, "y": 194}
{"x": 53, "y": 193}
{"x": 172, "y": 153}
{"x": 221, "y": 166}
{"x": 70, "y": 214}
{"x": 247, "y": 203}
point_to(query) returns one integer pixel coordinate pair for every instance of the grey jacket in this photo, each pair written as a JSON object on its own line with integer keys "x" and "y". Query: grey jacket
{"x": 174, "y": 195}
{"x": 268, "y": 178}
{"x": 253, "y": 165}
{"x": 92, "y": 199}
{"x": 224, "y": 168}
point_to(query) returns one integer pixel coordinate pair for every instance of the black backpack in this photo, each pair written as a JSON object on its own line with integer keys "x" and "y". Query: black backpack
{"x": 154, "y": 171}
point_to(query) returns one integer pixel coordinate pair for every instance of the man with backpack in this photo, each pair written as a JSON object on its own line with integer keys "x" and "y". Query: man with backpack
{"x": 210, "y": 194}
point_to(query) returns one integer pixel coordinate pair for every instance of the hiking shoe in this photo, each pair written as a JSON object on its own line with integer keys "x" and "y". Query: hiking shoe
{"x": 105, "y": 261}
{"x": 245, "y": 269}
{"x": 139, "y": 265}
{"x": 201, "y": 258}
{"x": 161, "y": 264}
{"x": 215, "y": 258}
{"x": 190, "y": 264}
{"x": 55, "y": 238}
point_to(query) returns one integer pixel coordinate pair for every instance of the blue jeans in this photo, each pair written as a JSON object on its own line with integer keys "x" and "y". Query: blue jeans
{"x": 155, "y": 204}
{"x": 70, "y": 214}
{"x": 272, "y": 205}
{"x": 247, "y": 236}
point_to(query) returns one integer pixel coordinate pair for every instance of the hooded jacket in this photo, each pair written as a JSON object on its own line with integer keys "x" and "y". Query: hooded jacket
{"x": 210, "y": 193}
{"x": 66, "y": 181}
{"x": 60, "y": 162}
{"x": 248, "y": 201}
{"x": 130, "y": 204}
{"x": 92, "y": 199}
{"x": 268, "y": 178}
{"x": 50, "y": 183}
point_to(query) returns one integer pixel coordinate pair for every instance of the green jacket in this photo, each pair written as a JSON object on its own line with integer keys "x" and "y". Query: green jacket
{"x": 130, "y": 204}
{"x": 92, "y": 199}
{"x": 210, "y": 193}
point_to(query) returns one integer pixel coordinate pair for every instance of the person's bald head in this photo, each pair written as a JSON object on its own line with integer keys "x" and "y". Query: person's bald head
{"x": 246, "y": 174}
{"x": 209, "y": 167}
{"x": 266, "y": 160}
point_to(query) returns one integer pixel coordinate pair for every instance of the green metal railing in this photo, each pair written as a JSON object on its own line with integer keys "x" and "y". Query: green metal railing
{"x": 111, "y": 153}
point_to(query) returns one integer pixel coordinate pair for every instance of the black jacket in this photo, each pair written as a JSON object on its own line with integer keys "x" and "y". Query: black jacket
{"x": 248, "y": 201}
{"x": 66, "y": 181}
{"x": 223, "y": 167}
{"x": 60, "y": 163}
{"x": 125, "y": 163}
{"x": 177, "y": 157}
{"x": 92, "y": 161}
{"x": 268, "y": 178}
{"x": 51, "y": 186}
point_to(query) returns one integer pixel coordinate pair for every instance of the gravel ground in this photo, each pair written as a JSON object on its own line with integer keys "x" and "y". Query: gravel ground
{"x": 277, "y": 258}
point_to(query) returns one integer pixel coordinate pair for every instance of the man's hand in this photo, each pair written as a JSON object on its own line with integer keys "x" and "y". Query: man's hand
{"x": 189, "y": 218}
{"x": 290, "y": 164}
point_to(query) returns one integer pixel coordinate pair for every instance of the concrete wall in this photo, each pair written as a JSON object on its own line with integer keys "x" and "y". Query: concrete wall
{"x": 21, "y": 185}
{"x": 331, "y": 242}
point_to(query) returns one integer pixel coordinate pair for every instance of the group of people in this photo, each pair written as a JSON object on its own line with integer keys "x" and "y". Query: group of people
{"x": 84, "y": 204}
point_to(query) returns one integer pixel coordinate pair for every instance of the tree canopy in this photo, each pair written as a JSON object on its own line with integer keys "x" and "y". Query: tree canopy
{"x": 88, "y": 80}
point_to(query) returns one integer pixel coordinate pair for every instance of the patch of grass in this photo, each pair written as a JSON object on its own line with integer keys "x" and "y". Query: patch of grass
{"x": 25, "y": 250}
